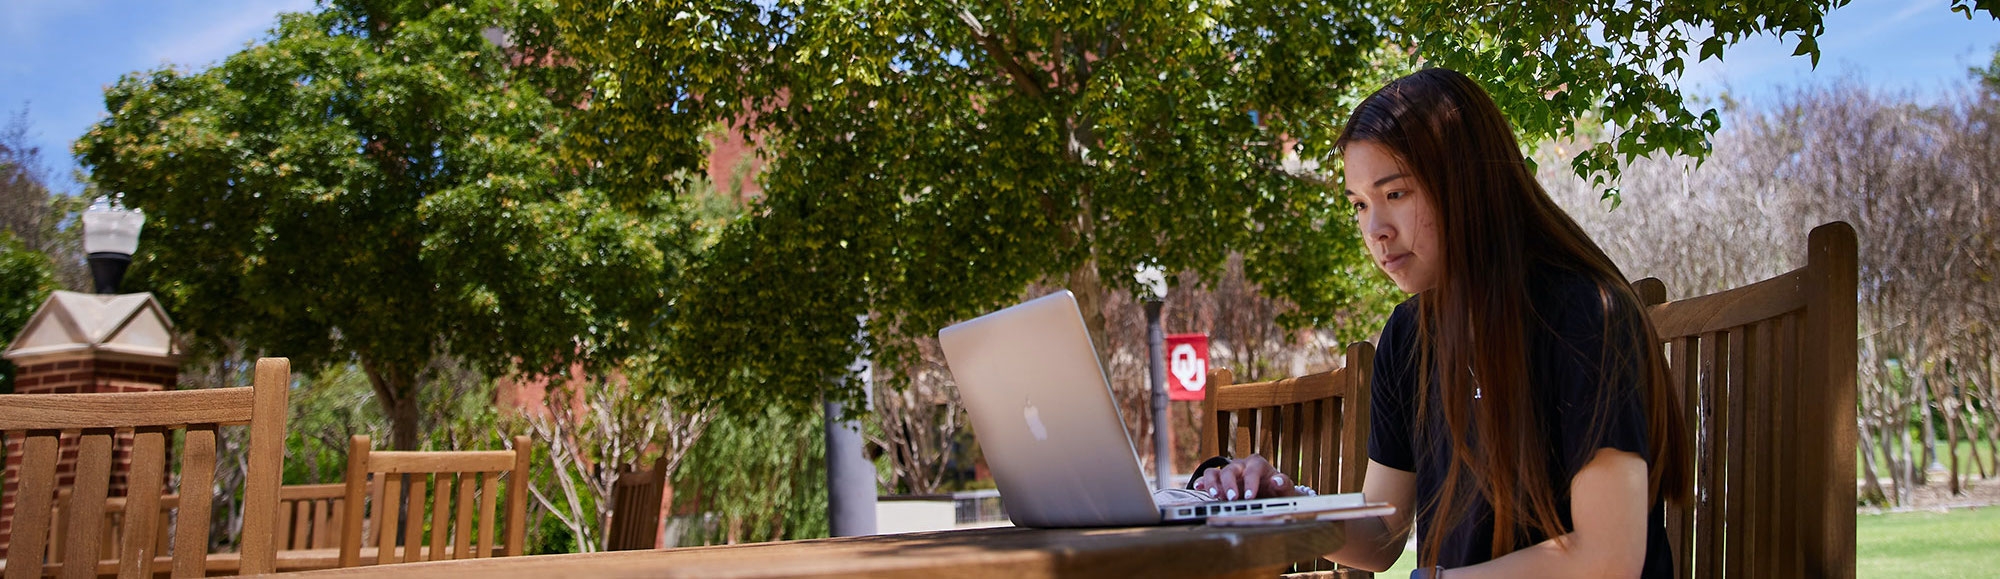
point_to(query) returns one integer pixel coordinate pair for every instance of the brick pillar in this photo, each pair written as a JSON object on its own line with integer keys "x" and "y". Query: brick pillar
{"x": 98, "y": 374}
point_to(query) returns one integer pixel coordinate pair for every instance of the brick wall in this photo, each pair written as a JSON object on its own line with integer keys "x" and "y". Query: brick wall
{"x": 79, "y": 376}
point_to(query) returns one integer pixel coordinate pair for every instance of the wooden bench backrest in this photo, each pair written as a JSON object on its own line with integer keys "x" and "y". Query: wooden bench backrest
{"x": 379, "y": 479}
{"x": 310, "y": 516}
{"x": 635, "y": 508}
{"x": 1767, "y": 374}
{"x": 1314, "y": 427}
{"x": 41, "y": 418}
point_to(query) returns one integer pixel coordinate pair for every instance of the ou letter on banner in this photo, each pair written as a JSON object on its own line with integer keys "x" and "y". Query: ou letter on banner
{"x": 1187, "y": 366}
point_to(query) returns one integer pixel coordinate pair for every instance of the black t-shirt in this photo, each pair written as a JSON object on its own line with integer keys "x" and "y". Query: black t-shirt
{"x": 1566, "y": 366}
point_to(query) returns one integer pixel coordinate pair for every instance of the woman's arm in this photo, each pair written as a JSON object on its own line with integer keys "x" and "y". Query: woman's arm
{"x": 1608, "y": 506}
{"x": 1374, "y": 543}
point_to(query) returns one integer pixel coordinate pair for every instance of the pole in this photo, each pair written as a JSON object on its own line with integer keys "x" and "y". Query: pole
{"x": 850, "y": 477}
{"x": 1156, "y": 356}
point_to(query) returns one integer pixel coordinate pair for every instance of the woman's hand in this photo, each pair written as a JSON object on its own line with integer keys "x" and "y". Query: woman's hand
{"x": 1245, "y": 478}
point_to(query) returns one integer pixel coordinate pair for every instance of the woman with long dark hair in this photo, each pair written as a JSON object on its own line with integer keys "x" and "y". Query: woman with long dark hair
{"x": 1522, "y": 423}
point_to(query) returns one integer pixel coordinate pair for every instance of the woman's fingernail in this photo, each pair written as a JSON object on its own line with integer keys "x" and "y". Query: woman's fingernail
{"x": 1211, "y": 493}
{"x": 1277, "y": 480}
{"x": 1232, "y": 494}
{"x": 1250, "y": 493}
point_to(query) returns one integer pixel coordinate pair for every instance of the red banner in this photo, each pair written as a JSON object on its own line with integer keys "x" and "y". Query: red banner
{"x": 1187, "y": 366}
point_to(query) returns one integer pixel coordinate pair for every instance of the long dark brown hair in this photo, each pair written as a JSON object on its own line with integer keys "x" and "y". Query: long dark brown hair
{"x": 1495, "y": 222}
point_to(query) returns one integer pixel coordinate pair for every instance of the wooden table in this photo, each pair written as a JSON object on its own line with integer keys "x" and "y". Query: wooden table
{"x": 1166, "y": 551}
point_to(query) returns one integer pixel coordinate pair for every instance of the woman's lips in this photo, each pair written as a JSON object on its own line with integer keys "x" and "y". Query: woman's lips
{"x": 1395, "y": 263}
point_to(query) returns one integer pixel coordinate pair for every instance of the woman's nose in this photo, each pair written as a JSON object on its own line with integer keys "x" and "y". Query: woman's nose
{"x": 1375, "y": 228}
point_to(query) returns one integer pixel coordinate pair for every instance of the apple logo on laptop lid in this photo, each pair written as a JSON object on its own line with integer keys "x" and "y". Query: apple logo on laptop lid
{"x": 1034, "y": 417}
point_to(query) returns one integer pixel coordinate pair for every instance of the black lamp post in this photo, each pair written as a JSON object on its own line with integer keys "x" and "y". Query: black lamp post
{"x": 110, "y": 235}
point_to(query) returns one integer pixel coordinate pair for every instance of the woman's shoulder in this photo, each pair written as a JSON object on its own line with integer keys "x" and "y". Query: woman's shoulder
{"x": 1563, "y": 292}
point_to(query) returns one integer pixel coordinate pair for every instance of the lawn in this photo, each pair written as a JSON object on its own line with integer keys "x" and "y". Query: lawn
{"x": 1961, "y": 543}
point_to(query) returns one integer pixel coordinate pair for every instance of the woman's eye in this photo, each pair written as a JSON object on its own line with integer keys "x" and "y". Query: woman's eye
{"x": 1394, "y": 195}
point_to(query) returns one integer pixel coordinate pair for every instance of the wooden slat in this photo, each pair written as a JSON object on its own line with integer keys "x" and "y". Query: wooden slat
{"x": 31, "y": 507}
{"x": 312, "y": 492}
{"x": 1777, "y": 456}
{"x": 86, "y": 513}
{"x": 1680, "y": 371}
{"x": 331, "y": 523}
{"x": 142, "y": 514}
{"x": 1793, "y": 479}
{"x": 1214, "y": 428}
{"x": 1830, "y": 337}
{"x": 1751, "y": 454}
{"x": 389, "y": 512}
{"x": 489, "y": 495}
{"x": 1356, "y": 422}
{"x": 428, "y": 462}
{"x": 197, "y": 492}
{"x": 1718, "y": 311}
{"x": 1739, "y": 512}
{"x": 461, "y": 544}
{"x": 1711, "y": 503}
{"x": 413, "y": 517}
{"x": 1286, "y": 438}
{"x": 1312, "y": 419}
{"x": 125, "y": 409}
{"x": 1764, "y": 427}
{"x": 1277, "y": 392}
{"x": 440, "y": 515}
{"x": 266, "y": 465}
{"x": 518, "y": 481}
{"x": 286, "y": 513}
{"x": 356, "y": 492}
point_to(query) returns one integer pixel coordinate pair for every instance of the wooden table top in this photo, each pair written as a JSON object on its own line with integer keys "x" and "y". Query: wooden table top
{"x": 1164, "y": 551}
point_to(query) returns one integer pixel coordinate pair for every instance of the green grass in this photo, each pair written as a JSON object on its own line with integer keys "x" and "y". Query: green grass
{"x": 1961, "y": 543}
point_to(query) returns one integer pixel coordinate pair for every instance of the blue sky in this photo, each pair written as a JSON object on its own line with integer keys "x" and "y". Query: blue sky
{"x": 60, "y": 54}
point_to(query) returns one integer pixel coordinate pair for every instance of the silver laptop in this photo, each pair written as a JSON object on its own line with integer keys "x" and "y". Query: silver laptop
{"x": 1044, "y": 417}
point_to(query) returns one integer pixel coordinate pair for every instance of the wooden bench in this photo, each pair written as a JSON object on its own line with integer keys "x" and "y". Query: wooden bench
{"x": 1313, "y": 427}
{"x": 40, "y": 419}
{"x": 1767, "y": 374}
{"x": 393, "y": 518}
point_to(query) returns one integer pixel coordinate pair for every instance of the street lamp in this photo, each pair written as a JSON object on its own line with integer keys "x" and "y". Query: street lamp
{"x": 1155, "y": 281}
{"x": 110, "y": 235}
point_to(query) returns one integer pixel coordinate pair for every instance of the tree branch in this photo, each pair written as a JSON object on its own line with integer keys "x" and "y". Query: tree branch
{"x": 1022, "y": 78}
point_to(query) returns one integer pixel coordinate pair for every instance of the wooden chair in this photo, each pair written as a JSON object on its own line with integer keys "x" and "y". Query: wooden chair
{"x": 310, "y": 516}
{"x": 429, "y": 478}
{"x": 1314, "y": 427}
{"x": 1767, "y": 373}
{"x": 111, "y": 531}
{"x": 41, "y": 418}
{"x": 635, "y": 508}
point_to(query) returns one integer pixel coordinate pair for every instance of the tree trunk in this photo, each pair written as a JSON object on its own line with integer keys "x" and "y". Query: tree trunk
{"x": 1967, "y": 395}
{"x": 1089, "y": 289}
{"x": 1871, "y": 490}
{"x": 1887, "y": 442}
{"x": 396, "y": 389}
{"x": 1951, "y": 441}
{"x": 1928, "y": 456}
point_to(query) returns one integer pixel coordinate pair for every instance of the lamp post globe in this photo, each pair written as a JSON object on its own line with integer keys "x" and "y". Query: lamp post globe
{"x": 110, "y": 236}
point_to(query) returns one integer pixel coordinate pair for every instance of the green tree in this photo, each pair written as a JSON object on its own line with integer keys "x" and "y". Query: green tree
{"x": 373, "y": 183}
{"x": 930, "y": 160}
{"x": 26, "y": 278}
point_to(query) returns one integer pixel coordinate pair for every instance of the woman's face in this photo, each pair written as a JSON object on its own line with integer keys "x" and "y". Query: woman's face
{"x": 1397, "y": 220}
